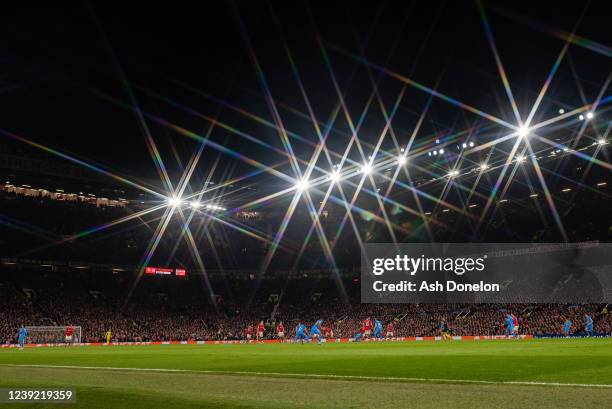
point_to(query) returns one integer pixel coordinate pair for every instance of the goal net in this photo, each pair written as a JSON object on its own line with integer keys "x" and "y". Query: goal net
{"x": 53, "y": 335}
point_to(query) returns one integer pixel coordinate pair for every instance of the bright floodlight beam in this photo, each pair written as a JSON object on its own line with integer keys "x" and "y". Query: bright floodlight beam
{"x": 195, "y": 204}
{"x": 302, "y": 185}
{"x": 523, "y": 131}
{"x": 174, "y": 201}
{"x": 335, "y": 176}
{"x": 590, "y": 115}
{"x": 366, "y": 169}
{"x": 401, "y": 160}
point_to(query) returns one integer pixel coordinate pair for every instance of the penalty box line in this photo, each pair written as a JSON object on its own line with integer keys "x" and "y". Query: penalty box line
{"x": 317, "y": 376}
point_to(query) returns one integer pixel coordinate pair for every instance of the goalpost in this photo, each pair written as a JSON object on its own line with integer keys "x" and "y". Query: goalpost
{"x": 53, "y": 335}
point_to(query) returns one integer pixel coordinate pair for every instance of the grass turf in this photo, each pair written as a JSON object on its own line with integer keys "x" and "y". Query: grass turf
{"x": 281, "y": 375}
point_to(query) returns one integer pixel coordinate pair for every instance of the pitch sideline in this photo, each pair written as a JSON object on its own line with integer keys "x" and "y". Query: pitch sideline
{"x": 318, "y": 376}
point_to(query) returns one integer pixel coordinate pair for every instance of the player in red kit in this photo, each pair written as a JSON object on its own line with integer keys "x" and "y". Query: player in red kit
{"x": 280, "y": 330}
{"x": 390, "y": 330}
{"x": 249, "y": 333}
{"x": 367, "y": 328}
{"x": 328, "y": 332}
{"x": 515, "y": 330}
{"x": 260, "y": 330}
{"x": 69, "y": 334}
{"x": 361, "y": 334}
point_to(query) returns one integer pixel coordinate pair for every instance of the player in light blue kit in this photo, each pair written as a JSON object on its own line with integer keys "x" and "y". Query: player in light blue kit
{"x": 588, "y": 325}
{"x": 567, "y": 327}
{"x": 23, "y": 333}
{"x": 509, "y": 325}
{"x": 300, "y": 333}
{"x": 315, "y": 331}
{"x": 378, "y": 329}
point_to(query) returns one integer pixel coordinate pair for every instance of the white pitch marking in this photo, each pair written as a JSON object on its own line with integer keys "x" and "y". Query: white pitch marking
{"x": 320, "y": 376}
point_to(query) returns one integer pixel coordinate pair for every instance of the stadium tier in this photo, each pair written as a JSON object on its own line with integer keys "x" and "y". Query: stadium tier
{"x": 63, "y": 231}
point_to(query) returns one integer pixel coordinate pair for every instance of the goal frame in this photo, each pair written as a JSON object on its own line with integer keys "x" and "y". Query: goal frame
{"x": 53, "y": 334}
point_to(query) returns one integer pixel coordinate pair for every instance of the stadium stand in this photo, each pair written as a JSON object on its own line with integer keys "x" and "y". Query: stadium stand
{"x": 163, "y": 310}
{"x": 73, "y": 283}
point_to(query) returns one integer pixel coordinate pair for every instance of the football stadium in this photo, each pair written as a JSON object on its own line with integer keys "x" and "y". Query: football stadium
{"x": 266, "y": 204}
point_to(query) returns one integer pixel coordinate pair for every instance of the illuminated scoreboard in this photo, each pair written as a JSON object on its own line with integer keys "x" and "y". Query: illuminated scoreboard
{"x": 163, "y": 271}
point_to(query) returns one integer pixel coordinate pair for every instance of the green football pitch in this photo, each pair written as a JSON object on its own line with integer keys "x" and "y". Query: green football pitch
{"x": 570, "y": 373}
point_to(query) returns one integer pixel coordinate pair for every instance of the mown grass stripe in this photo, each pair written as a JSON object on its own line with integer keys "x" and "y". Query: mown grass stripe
{"x": 318, "y": 376}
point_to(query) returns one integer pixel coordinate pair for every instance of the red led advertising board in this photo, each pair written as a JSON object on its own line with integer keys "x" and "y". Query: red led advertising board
{"x": 158, "y": 271}
{"x": 179, "y": 272}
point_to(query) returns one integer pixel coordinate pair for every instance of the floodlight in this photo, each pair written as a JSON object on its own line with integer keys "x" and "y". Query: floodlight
{"x": 366, "y": 169}
{"x": 520, "y": 159}
{"x": 441, "y": 151}
{"x": 453, "y": 173}
{"x": 581, "y": 117}
{"x": 401, "y": 160}
{"x": 561, "y": 111}
{"x": 601, "y": 141}
{"x": 471, "y": 144}
{"x": 335, "y": 176}
{"x": 590, "y": 115}
{"x": 174, "y": 201}
{"x": 195, "y": 204}
{"x": 484, "y": 166}
{"x": 464, "y": 145}
{"x": 523, "y": 132}
{"x": 302, "y": 185}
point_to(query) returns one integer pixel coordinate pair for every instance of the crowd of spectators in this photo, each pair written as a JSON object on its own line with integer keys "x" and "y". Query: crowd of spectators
{"x": 160, "y": 318}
